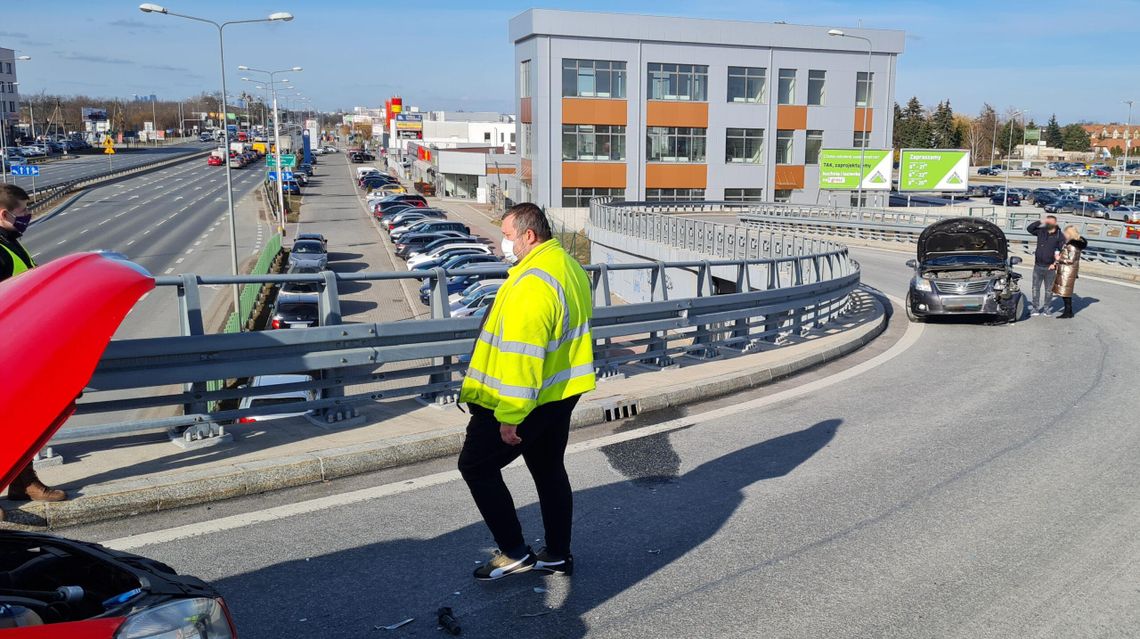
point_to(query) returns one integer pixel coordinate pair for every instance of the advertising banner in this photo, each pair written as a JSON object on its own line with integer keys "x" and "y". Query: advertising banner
{"x": 410, "y": 122}
{"x": 93, "y": 115}
{"x": 839, "y": 169}
{"x": 933, "y": 169}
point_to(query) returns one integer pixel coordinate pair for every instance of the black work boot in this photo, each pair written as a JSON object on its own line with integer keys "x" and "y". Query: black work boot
{"x": 1068, "y": 308}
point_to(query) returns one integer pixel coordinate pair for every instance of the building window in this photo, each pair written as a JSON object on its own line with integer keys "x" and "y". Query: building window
{"x": 744, "y": 146}
{"x": 688, "y": 82}
{"x": 747, "y": 84}
{"x": 864, "y": 88}
{"x": 816, "y": 81}
{"x": 512, "y": 137}
{"x": 744, "y": 195}
{"x": 784, "y": 147}
{"x": 527, "y": 149}
{"x": 593, "y": 79}
{"x": 580, "y": 197}
{"x": 787, "y": 86}
{"x": 674, "y": 195}
{"x": 524, "y": 79}
{"x": 782, "y": 195}
{"x": 862, "y": 139}
{"x": 857, "y": 201}
{"x": 593, "y": 142}
{"x": 486, "y": 136}
{"x": 813, "y": 146}
{"x": 9, "y": 67}
{"x": 675, "y": 144}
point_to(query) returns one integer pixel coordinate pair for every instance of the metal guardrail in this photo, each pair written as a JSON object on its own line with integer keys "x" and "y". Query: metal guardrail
{"x": 51, "y": 194}
{"x": 1115, "y": 243}
{"x": 801, "y": 285}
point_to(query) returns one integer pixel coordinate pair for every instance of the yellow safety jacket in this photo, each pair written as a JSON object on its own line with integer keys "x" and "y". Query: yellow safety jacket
{"x": 19, "y": 265}
{"x": 535, "y": 346}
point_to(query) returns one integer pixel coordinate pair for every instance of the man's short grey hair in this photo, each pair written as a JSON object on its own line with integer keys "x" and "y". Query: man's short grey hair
{"x": 528, "y": 217}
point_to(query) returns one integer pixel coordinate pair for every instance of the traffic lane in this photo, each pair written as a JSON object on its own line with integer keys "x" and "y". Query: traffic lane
{"x": 858, "y": 511}
{"x": 87, "y": 165}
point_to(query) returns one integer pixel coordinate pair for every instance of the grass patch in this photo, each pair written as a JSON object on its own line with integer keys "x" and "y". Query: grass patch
{"x": 577, "y": 244}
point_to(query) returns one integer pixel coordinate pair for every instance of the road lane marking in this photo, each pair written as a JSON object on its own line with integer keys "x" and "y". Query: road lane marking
{"x": 60, "y": 242}
{"x": 180, "y": 260}
{"x": 910, "y": 337}
{"x": 168, "y": 271}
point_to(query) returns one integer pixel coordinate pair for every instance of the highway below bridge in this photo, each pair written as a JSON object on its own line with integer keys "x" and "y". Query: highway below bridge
{"x": 948, "y": 480}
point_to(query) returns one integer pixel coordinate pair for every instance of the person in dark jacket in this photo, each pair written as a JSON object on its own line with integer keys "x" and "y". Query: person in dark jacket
{"x": 1050, "y": 239}
{"x": 14, "y": 260}
{"x": 1068, "y": 264}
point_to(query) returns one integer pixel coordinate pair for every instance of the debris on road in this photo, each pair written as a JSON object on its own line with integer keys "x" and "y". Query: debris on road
{"x": 447, "y": 621}
{"x": 539, "y": 590}
{"x": 536, "y": 614}
{"x": 397, "y": 626}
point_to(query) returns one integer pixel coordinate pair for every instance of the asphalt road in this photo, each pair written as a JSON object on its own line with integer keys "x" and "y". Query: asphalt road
{"x": 84, "y": 165}
{"x": 976, "y": 481}
{"x": 169, "y": 221}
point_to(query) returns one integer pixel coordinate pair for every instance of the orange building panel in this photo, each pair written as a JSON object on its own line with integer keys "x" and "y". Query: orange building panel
{"x": 789, "y": 176}
{"x": 526, "y": 170}
{"x": 676, "y": 176}
{"x": 593, "y": 175}
{"x": 594, "y": 111}
{"x": 859, "y": 115}
{"x": 524, "y": 111}
{"x": 668, "y": 113}
{"x": 791, "y": 117}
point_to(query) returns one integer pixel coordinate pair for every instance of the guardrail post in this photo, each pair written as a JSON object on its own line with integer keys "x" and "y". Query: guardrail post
{"x": 328, "y": 305}
{"x": 440, "y": 308}
{"x": 658, "y": 343}
{"x": 703, "y": 335}
{"x": 190, "y": 313}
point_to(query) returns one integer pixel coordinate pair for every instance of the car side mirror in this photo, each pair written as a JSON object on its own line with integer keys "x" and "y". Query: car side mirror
{"x": 912, "y": 263}
{"x": 1014, "y": 261}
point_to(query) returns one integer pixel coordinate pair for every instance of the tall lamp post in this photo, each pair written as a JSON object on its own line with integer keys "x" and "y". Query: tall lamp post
{"x": 1009, "y": 152}
{"x": 273, "y": 17}
{"x": 866, "y": 108}
{"x": 1127, "y": 143}
{"x": 276, "y": 139}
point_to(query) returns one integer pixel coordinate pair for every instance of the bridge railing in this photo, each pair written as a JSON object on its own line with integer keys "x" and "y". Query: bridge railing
{"x": 1116, "y": 243}
{"x": 805, "y": 284}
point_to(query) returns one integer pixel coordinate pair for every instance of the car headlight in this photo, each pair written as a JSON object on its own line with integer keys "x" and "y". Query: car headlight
{"x": 923, "y": 285}
{"x": 999, "y": 285}
{"x": 200, "y": 618}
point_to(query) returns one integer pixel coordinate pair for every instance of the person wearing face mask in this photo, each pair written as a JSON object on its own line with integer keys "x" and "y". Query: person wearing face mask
{"x": 1049, "y": 243}
{"x": 14, "y": 260}
{"x": 532, "y": 361}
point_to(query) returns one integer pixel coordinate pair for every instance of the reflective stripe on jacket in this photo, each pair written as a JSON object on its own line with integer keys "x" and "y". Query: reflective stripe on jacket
{"x": 535, "y": 346}
{"x": 18, "y": 263}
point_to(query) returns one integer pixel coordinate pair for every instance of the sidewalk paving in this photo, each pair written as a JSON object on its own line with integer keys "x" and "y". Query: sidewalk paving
{"x": 130, "y": 475}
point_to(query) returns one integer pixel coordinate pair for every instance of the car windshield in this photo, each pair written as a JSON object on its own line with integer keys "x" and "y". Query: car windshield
{"x": 962, "y": 260}
{"x": 308, "y": 246}
{"x": 301, "y": 287}
{"x": 471, "y": 297}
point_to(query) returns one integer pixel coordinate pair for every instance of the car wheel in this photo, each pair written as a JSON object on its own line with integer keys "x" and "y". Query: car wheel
{"x": 910, "y": 312}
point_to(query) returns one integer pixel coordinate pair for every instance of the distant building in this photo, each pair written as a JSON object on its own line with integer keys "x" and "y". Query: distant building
{"x": 1106, "y": 137}
{"x": 450, "y": 129}
{"x": 660, "y": 108}
{"x": 9, "y": 95}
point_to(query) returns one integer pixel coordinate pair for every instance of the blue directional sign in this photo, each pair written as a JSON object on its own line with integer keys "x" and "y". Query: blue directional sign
{"x": 288, "y": 175}
{"x": 25, "y": 169}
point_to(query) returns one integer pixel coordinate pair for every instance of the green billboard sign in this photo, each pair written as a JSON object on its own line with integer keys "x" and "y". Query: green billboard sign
{"x": 933, "y": 169}
{"x": 839, "y": 169}
{"x": 288, "y": 160}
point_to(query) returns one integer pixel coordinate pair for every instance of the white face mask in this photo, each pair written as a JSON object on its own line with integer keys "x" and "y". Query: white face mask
{"x": 508, "y": 250}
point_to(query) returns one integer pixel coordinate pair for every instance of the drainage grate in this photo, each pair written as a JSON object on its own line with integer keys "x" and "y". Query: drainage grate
{"x": 623, "y": 410}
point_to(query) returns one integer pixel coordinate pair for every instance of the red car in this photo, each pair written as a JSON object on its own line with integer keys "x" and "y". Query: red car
{"x": 1102, "y": 173}
{"x": 54, "y": 587}
{"x": 214, "y": 160}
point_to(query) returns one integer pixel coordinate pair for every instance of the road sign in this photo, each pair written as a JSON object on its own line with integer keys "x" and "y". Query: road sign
{"x": 839, "y": 169}
{"x": 933, "y": 169}
{"x": 108, "y": 146}
{"x": 25, "y": 169}
{"x": 288, "y": 160}
{"x": 286, "y": 175}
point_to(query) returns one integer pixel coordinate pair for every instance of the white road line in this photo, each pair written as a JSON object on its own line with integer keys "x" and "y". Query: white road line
{"x": 180, "y": 260}
{"x": 104, "y": 222}
{"x": 84, "y": 231}
{"x": 168, "y": 271}
{"x": 189, "y": 251}
{"x": 913, "y": 332}
{"x": 60, "y": 242}
{"x": 131, "y": 242}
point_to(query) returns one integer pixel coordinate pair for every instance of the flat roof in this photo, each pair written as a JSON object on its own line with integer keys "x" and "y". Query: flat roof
{"x": 625, "y": 26}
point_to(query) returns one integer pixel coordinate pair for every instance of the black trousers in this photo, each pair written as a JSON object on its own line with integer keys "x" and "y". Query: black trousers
{"x": 544, "y": 434}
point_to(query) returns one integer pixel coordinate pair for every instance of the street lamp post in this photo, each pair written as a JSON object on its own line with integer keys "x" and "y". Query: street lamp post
{"x": 273, "y": 17}
{"x": 866, "y": 107}
{"x": 1127, "y": 143}
{"x": 1005, "y": 192}
{"x": 276, "y": 139}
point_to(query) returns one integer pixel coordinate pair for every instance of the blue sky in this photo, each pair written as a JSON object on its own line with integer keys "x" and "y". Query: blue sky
{"x": 1076, "y": 59}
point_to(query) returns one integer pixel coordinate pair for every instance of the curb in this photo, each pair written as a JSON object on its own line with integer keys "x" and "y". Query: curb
{"x": 146, "y": 494}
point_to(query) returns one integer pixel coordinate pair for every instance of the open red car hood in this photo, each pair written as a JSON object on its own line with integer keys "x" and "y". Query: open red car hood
{"x": 56, "y": 320}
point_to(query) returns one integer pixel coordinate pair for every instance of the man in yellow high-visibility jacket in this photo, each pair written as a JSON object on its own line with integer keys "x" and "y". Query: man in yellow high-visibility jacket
{"x": 532, "y": 361}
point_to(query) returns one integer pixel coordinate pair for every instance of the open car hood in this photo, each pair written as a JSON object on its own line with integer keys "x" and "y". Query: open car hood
{"x": 57, "y": 319}
{"x": 962, "y": 236}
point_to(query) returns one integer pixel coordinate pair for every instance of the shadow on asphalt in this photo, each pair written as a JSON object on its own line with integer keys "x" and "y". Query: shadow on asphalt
{"x": 625, "y": 532}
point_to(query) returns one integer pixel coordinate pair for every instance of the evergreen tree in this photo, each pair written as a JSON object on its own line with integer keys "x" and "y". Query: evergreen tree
{"x": 1053, "y": 136}
{"x": 1075, "y": 138}
{"x": 944, "y": 132}
{"x": 914, "y": 132}
{"x": 896, "y": 137}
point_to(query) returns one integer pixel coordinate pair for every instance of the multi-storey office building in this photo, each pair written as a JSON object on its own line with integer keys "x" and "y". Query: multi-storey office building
{"x": 659, "y": 108}
{"x": 9, "y": 94}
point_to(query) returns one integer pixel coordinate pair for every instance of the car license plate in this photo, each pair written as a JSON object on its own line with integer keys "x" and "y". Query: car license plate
{"x": 965, "y": 303}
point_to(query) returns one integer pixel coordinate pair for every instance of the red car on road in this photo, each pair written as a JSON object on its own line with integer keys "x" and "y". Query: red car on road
{"x": 214, "y": 160}
{"x": 53, "y": 587}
